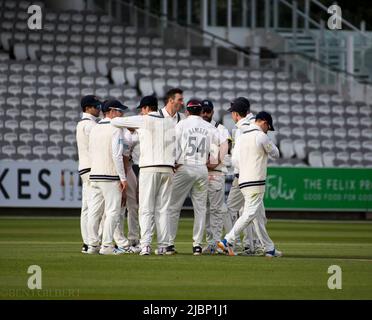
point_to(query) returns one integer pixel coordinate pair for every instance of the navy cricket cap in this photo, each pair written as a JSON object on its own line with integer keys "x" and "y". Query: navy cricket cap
{"x": 240, "y": 104}
{"x": 148, "y": 101}
{"x": 193, "y": 104}
{"x": 113, "y": 104}
{"x": 207, "y": 105}
{"x": 90, "y": 101}
{"x": 263, "y": 115}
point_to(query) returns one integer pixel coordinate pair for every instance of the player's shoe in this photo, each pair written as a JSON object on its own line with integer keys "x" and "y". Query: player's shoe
{"x": 134, "y": 243}
{"x": 247, "y": 251}
{"x": 171, "y": 250}
{"x": 209, "y": 249}
{"x": 107, "y": 250}
{"x": 197, "y": 250}
{"x": 84, "y": 248}
{"x": 226, "y": 247}
{"x": 134, "y": 249}
{"x": 120, "y": 250}
{"x": 160, "y": 251}
{"x": 145, "y": 251}
{"x": 93, "y": 250}
{"x": 273, "y": 254}
{"x": 219, "y": 250}
{"x": 259, "y": 251}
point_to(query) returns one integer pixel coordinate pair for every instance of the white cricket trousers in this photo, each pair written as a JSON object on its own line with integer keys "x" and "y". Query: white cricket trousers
{"x": 193, "y": 179}
{"x": 154, "y": 198}
{"x": 132, "y": 221}
{"x": 105, "y": 194}
{"x": 254, "y": 211}
{"x": 119, "y": 236}
{"x": 132, "y": 206}
{"x": 216, "y": 208}
{"x": 235, "y": 202}
{"x": 84, "y": 207}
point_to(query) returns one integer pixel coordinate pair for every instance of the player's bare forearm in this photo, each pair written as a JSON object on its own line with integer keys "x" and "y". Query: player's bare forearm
{"x": 211, "y": 165}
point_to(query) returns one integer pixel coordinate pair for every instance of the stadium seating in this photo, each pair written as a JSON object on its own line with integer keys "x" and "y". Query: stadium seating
{"x": 43, "y": 76}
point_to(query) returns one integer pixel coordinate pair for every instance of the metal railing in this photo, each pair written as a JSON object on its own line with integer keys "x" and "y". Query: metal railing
{"x": 199, "y": 42}
{"x": 344, "y": 49}
{"x": 220, "y": 52}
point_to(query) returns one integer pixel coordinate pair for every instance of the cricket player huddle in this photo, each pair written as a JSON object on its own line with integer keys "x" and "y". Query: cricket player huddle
{"x": 142, "y": 168}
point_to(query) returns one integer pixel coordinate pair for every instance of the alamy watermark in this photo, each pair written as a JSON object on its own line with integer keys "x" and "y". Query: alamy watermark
{"x": 335, "y": 20}
{"x": 35, "y": 288}
{"x": 34, "y": 22}
{"x": 335, "y": 280}
{"x": 35, "y": 280}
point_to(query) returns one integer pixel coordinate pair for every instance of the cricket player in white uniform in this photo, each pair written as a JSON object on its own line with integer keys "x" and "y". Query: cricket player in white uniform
{"x": 107, "y": 177}
{"x": 216, "y": 206}
{"x": 196, "y": 141}
{"x": 240, "y": 113}
{"x": 252, "y": 151}
{"x": 128, "y": 244}
{"x": 122, "y": 243}
{"x": 91, "y": 107}
{"x": 173, "y": 105}
{"x": 157, "y": 160}
{"x": 147, "y": 104}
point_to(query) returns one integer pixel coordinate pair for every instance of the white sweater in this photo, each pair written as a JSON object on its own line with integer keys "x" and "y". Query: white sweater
{"x": 83, "y": 129}
{"x": 250, "y": 158}
{"x": 157, "y": 140}
{"x": 106, "y": 148}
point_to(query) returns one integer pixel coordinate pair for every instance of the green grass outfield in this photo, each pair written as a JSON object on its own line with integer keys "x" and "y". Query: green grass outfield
{"x": 310, "y": 247}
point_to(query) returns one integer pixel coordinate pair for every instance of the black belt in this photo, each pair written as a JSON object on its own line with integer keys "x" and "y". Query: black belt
{"x": 215, "y": 170}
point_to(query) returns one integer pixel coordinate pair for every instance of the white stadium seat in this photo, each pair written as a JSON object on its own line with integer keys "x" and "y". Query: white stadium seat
{"x": 286, "y": 148}
{"x": 145, "y": 86}
{"x": 315, "y": 159}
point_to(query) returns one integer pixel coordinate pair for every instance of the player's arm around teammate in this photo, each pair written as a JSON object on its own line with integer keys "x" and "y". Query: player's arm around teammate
{"x": 157, "y": 157}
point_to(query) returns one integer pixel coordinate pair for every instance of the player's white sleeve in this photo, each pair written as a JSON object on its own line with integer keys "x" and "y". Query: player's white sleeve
{"x": 269, "y": 146}
{"x": 224, "y": 135}
{"x": 88, "y": 127}
{"x": 134, "y": 122}
{"x": 135, "y": 139}
{"x": 224, "y": 149}
{"x": 117, "y": 153}
{"x": 214, "y": 146}
{"x": 224, "y": 144}
{"x": 127, "y": 142}
{"x": 235, "y": 154}
{"x": 179, "y": 141}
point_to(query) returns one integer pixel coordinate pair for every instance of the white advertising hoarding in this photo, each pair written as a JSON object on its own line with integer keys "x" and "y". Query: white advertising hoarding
{"x": 40, "y": 184}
